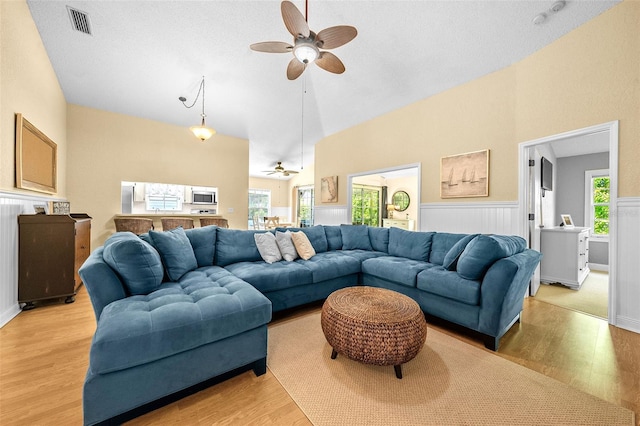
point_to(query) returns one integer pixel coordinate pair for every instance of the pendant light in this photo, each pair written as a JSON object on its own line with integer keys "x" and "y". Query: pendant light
{"x": 202, "y": 132}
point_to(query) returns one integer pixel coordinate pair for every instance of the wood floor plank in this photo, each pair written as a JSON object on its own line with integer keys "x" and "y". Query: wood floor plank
{"x": 44, "y": 358}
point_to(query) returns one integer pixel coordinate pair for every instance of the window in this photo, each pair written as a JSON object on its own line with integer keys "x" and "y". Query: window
{"x": 259, "y": 204}
{"x": 597, "y": 203}
{"x": 365, "y": 205}
{"x": 163, "y": 197}
{"x": 305, "y": 206}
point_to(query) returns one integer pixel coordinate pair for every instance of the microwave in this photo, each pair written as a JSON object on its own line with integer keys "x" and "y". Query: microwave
{"x": 203, "y": 197}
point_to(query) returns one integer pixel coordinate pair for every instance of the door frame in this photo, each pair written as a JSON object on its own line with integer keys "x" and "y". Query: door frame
{"x": 523, "y": 182}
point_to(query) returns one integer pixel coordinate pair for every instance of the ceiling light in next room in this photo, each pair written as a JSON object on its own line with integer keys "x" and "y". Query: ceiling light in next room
{"x": 555, "y": 8}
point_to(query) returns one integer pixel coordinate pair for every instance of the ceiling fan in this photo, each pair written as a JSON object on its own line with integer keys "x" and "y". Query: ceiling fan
{"x": 280, "y": 169}
{"x": 307, "y": 44}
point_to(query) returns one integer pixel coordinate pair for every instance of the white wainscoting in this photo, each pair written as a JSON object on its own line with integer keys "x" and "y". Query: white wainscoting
{"x": 331, "y": 215}
{"x": 12, "y": 205}
{"x": 627, "y": 266}
{"x": 482, "y": 217}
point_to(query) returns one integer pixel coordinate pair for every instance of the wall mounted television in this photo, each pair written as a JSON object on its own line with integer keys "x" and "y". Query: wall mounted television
{"x": 546, "y": 175}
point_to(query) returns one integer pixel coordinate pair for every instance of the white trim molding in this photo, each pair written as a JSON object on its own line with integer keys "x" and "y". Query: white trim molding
{"x": 492, "y": 217}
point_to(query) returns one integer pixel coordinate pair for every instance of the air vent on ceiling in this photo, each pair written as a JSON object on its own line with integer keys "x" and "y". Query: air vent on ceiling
{"x": 79, "y": 20}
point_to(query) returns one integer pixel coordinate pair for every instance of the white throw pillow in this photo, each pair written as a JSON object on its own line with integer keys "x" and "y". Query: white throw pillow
{"x": 285, "y": 244}
{"x": 267, "y": 246}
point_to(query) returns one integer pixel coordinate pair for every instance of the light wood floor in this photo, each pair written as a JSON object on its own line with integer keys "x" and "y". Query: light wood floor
{"x": 44, "y": 357}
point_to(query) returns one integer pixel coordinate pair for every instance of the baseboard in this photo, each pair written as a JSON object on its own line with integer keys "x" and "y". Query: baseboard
{"x": 627, "y": 323}
{"x": 9, "y": 314}
{"x": 598, "y": 267}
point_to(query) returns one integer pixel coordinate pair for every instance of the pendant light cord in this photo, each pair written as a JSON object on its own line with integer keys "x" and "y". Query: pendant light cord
{"x": 304, "y": 91}
{"x": 200, "y": 89}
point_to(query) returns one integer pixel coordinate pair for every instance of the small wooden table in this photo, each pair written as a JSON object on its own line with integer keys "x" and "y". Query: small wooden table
{"x": 374, "y": 326}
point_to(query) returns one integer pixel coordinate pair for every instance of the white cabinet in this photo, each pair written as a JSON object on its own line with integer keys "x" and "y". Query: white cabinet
{"x": 565, "y": 256}
{"x": 407, "y": 224}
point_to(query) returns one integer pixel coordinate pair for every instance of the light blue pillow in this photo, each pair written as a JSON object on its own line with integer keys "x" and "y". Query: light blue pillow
{"x": 355, "y": 237}
{"x": 379, "y": 238}
{"x": 236, "y": 245}
{"x": 451, "y": 258}
{"x": 483, "y": 251}
{"x": 334, "y": 237}
{"x": 410, "y": 244}
{"x": 175, "y": 251}
{"x": 203, "y": 241}
{"x": 137, "y": 263}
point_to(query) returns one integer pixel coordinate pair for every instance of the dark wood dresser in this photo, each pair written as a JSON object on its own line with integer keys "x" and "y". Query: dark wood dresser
{"x": 51, "y": 250}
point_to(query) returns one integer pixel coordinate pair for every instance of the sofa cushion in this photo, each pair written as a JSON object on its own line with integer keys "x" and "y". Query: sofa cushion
{"x": 362, "y": 255}
{"x": 484, "y": 250}
{"x": 410, "y": 244}
{"x": 329, "y": 265}
{"x": 449, "y": 284}
{"x": 137, "y": 263}
{"x": 203, "y": 241}
{"x": 285, "y": 244}
{"x": 334, "y": 237}
{"x": 303, "y": 245}
{"x": 267, "y": 247}
{"x": 206, "y": 305}
{"x": 175, "y": 251}
{"x": 379, "y": 238}
{"x": 399, "y": 270}
{"x": 271, "y": 277}
{"x": 355, "y": 237}
{"x": 451, "y": 258}
{"x": 441, "y": 244}
{"x": 234, "y": 245}
{"x": 315, "y": 234}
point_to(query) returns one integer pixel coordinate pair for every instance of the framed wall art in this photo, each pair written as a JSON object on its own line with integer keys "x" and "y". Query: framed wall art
{"x": 36, "y": 158}
{"x": 465, "y": 175}
{"x": 329, "y": 189}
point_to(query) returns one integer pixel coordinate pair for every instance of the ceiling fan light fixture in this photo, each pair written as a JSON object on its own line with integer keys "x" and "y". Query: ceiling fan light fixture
{"x": 306, "y": 52}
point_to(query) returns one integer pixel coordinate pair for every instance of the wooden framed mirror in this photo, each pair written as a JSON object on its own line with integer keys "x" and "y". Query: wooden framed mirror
{"x": 401, "y": 200}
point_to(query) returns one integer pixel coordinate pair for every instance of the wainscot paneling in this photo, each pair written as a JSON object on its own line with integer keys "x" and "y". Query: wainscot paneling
{"x": 479, "y": 217}
{"x": 331, "y": 215}
{"x": 12, "y": 205}
{"x": 627, "y": 288}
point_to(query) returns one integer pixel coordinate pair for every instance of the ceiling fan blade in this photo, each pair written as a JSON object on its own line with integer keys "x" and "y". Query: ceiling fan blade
{"x": 330, "y": 62}
{"x": 336, "y": 36}
{"x": 272, "y": 47}
{"x": 288, "y": 172}
{"x": 293, "y": 20}
{"x": 295, "y": 69}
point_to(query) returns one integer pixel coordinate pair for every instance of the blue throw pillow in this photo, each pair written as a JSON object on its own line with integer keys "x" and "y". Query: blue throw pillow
{"x": 355, "y": 237}
{"x": 410, "y": 244}
{"x": 483, "y": 251}
{"x": 137, "y": 263}
{"x": 451, "y": 258}
{"x": 203, "y": 241}
{"x": 235, "y": 245}
{"x": 175, "y": 251}
{"x": 334, "y": 237}
{"x": 379, "y": 238}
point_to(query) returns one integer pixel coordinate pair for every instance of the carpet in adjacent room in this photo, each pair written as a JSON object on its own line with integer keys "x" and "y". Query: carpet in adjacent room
{"x": 449, "y": 382}
{"x": 592, "y": 298}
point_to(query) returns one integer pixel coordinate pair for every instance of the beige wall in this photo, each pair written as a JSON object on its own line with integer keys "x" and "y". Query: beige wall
{"x": 587, "y": 77}
{"x": 107, "y": 148}
{"x": 280, "y": 195}
{"x": 29, "y": 86}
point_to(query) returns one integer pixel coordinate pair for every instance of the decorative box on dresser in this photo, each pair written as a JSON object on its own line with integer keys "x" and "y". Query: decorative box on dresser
{"x": 565, "y": 256}
{"x": 51, "y": 250}
{"x": 407, "y": 224}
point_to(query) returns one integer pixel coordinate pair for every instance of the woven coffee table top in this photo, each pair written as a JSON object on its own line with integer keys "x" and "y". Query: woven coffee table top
{"x": 373, "y": 305}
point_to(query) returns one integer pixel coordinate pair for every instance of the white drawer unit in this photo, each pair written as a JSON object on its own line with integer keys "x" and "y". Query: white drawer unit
{"x": 565, "y": 256}
{"x": 407, "y": 224}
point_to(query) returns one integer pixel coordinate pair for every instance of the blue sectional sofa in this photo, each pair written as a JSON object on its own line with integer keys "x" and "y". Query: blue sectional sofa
{"x": 178, "y": 308}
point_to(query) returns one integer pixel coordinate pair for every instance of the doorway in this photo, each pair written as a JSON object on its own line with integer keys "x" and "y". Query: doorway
{"x": 539, "y": 212}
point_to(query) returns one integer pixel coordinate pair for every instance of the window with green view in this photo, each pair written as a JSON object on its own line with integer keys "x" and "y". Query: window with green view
{"x": 597, "y": 217}
{"x": 259, "y": 204}
{"x": 365, "y": 205}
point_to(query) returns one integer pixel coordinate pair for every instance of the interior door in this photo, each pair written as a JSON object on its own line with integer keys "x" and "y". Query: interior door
{"x": 535, "y": 211}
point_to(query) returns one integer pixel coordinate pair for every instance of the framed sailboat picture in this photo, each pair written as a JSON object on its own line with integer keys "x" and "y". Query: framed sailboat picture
{"x": 465, "y": 175}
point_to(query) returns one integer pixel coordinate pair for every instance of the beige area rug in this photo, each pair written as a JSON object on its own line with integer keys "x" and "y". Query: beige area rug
{"x": 449, "y": 383}
{"x": 592, "y": 298}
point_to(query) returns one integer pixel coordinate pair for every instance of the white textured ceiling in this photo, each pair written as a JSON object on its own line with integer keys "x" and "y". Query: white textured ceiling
{"x": 144, "y": 54}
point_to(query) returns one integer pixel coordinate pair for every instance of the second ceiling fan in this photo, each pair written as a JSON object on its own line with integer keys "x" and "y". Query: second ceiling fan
{"x": 307, "y": 44}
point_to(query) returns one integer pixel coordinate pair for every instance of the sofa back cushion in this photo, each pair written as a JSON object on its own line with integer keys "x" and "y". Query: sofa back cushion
{"x": 355, "y": 237}
{"x": 137, "y": 263}
{"x": 175, "y": 251}
{"x": 203, "y": 241}
{"x": 334, "y": 237}
{"x": 410, "y": 244}
{"x": 483, "y": 251}
{"x": 379, "y": 238}
{"x": 450, "y": 261}
{"x": 235, "y": 245}
{"x": 315, "y": 234}
{"x": 441, "y": 244}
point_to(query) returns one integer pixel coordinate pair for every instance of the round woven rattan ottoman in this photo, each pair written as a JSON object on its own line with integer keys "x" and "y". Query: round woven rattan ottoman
{"x": 374, "y": 326}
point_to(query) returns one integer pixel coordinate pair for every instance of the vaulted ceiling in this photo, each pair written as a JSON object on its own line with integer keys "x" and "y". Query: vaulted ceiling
{"x": 142, "y": 55}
